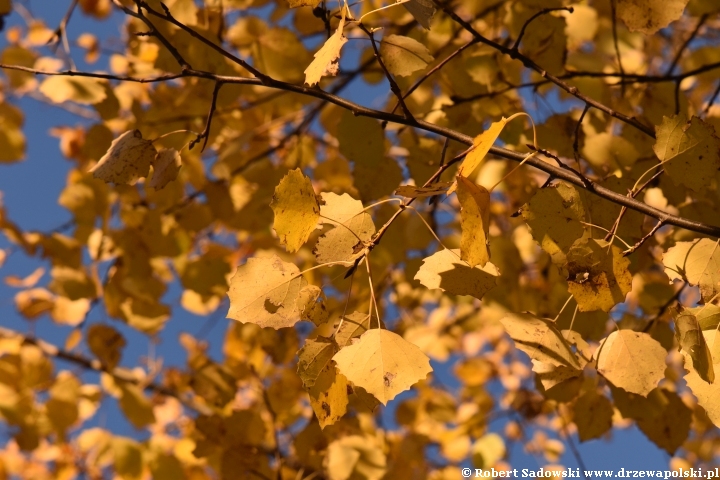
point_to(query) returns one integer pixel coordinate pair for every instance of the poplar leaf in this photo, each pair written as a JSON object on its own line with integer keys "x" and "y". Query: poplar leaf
{"x": 127, "y": 160}
{"x": 446, "y": 271}
{"x": 708, "y": 316}
{"x": 296, "y": 209}
{"x": 383, "y": 363}
{"x": 83, "y": 90}
{"x": 540, "y": 339}
{"x": 691, "y": 340}
{"x": 633, "y": 361}
{"x": 329, "y": 395}
{"x": 264, "y": 291}
{"x": 326, "y": 59}
{"x": 352, "y": 227}
{"x": 697, "y": 261}
{"x": 707, "y": 394}
{"x": 422, "y": 10}
{"x": 598, "y": 275}
{"x": 166, "y": 166}
{"x": 649, "y": 16}
{"x": 137, "y": 407}
{"x": 411, "y": 191}
{"x": 481, "y": 146}
{"x": 403, "y": 56}
{"x": 353, "y": 325}
{"x": 106, "y": 344}
{"x": 689, "y": 151}
{"x": 560, "y": 383}
{"x": 592, "y": 414}
{"x": 314, "y": 357}
{"x": 474, "y": 221}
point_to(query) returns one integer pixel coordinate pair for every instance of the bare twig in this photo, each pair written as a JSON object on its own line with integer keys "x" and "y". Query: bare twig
{"x": 685, "y": 44}
{"x": 640, "y": 242}
{"x": 206, "y": 132}
{"x": 542, "y": 12}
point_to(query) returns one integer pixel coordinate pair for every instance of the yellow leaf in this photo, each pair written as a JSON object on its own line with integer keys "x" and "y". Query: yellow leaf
{"x": 592, "y": 414}
{"x": 106, "y": 343}
{"x": 690, "y": 338}
{"x": 264, "y": 291}
{"x": 352, "y": 227}
{"x": 633, "y": 361}
{"x": 598, "y": 275}
{"x": 356, "y": 456}
{"x": 689, "y": 151}
{"x": 127, "y": 458}
{"x": 540, "y": 339}
{"x": 296, "y": 210}
{"x": 326, "y": 59}
{"x": 481, "y": 146}
{"x": 446, "y": 271}
{"x": 314, "y": 357}
{"x": 62, "y": 407}
{"x": 12, "y": 140}
{"x": 136, "y": 406}
{"x": 474, "y": 221}
{"x": 329, "y": 395}
{"x": 83, "y": 90}
{"x": 707, "y": 394}
{"x": 353, "y": 325}
{"x": 27, "y": 282}
{"x": 487, "y": 451}
{"x": 303, "y": 3}
{"x": 311, "y": 305}
{"x": 383, "y": 363}
{"x": 166, "y": 166}
{"x": 403, "y": 56}
{"x": 70, "y": 312}
{"x": 649, "y": 16}
{"x": 128, "y": 159}
{"x": 411, "y": 191}
{"x": 697, "y": 261}
{"x": 422, "y": 10}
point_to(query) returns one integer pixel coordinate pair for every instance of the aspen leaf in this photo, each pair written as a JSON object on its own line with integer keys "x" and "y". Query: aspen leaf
{"x": 649, "y": 16}
{"x": 708, "y": 316}
{"x": 540, "y": 339}
{"x": 403, "y": 55}
{"x": 480, "y": 148}
{"x": 326, "y": 59}
{"x": 474, "y": 221}
{"x": 697, "y": 261}
{"x": 106, "y": 344}
{"x": 314, "y": 357}
{"x": 411, "y": 191}
{"x": 487, "y": 451}
{"x": 353, "y": 325}
{"x": 446, "y": 271}
{"x": 296, "y": 209}
{"x": 166, "y": 166}
{"x": 264, "y": 291}
{"x": 311, "y": 305}
{"x": 598, "y": 275}
{"x": 692, "y": 341}
{"x": 592, "y": 414}
{"x": 329, "y": 395}
{"x": 83, "y": 90}
{"x": 12, "y": 140}
{"x": 707, "y": 394}
{"x": 560, "y": 383}
{"x": 136, "y": 406}
{"x": 689, "y": 151}
{"x": 351, "y": 228}
{"x": 383, "y": 363}
{"x": 127, "y": 458}
{"x": 128, "y": 159}
{"x": 633, "y": 361}
{"x": 422, "y": 10}
{"x": 356, "y": 456}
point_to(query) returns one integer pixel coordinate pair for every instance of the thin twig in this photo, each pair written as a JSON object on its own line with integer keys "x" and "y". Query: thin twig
{"x": 685, "y": 44}
{"x": 542, "y": 12}
{"x": 206, "y": 132}
{"x": 640, "y": 242}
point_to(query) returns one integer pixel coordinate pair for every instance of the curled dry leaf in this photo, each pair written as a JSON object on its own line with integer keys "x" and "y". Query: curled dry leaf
{"x": 326, "y": 59}
{"x": 128, "y": 159}
{"x": 166, "y": 166}
{"x": 383, "y": 363}
{"x": 692, "y": 341}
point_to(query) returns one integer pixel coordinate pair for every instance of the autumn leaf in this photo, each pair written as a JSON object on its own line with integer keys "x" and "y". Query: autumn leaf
{"x": 697, "y": 261}
{"x": 411, "y": 191}
{"x": 329, "y": 395}
{"x": 649, "y": 16}
{"x": 166, "y": 166}
{"x": 691, "y": 340}
{"x": 326, "y": 59}
{"x": 106, "y": 343}
{"x": 128, "y": 159}
{"x": 633, "y": 361}
{"x": 422, "y": 10}
{"x": 487, "y": 451}
{"x": 296, "y": 210}
{"x": 592, "y": 413}
{"x": 383, "y": 363}
{"x": 303, "y": 3}
{"x": 598, "y": 275}
{"x": 480, "y": 148}
{"x": 403, "y": 56}
{"x": 83, "y": 90}
{"x": 446, "y": 271}
{"x": 707, "y": 394}
{"x": 540, "y": 339}
{"x": 264, "y": 291}
{"x": 352, "y": 227}
{"x": 314, "y": 357}
{"x": 689, "y": 151}
{"x": 474, "y": 222}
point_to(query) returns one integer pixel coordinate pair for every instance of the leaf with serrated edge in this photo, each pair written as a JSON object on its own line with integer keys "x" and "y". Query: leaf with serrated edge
{"x": 326, "y": 59}
{"x": 446, "y": 271}
{"x": 127, "y": 160}
{"x": 633, "y": 361}
{"x": 474, "y": 221}
{"x": 383, "y": 363}
{"x": 264, "y": 291}
{"x": 649, "y": 16}
{"x": 296, "y": 209}
{"x": 691, "y": 340}
{"x": 699, "y": 262}
{"x": 540, "y": 339}
{"x": 314, "y": 357}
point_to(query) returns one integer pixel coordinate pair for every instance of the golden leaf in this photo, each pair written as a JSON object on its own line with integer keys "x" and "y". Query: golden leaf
{"x": 633, "y": 361}
{"x": 128, "y": 159}
{"x": 446, "y": 271}
{"x": 296, "y": 209}
{"x": 474, "y": 221}
{"x": 326, "y": 59}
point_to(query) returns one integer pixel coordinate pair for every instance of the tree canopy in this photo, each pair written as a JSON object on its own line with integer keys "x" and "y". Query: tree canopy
{"x": 529, "y": 204}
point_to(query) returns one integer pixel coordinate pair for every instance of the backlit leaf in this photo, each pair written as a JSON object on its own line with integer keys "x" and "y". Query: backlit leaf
{"x": 446, "y": 271}
{"x": 403, "y": 55}
{"x": 106, "y": 343}
{"x": 540, "y": 339}
{"x": 480, "y": 148}
{"x": 166, "y": 166}
{"x": 83, "y": 90}
{"x": 128, "y": 159}
{"x": 411, "y": 191}
{"x": 633, "y": 361}
{"x": 422, "y": 10}
{"x": 691, "y": 340}
{"x": 707, "y": 394}
{"x": 649, "y": 16}
{"x": 697, "y": 261}
{"x": 296, "y": 209}
{"x": 326, "y": 59}
{"x": 474, "y": 221}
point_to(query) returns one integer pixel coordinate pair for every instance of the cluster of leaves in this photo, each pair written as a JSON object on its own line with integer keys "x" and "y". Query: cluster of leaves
{"x": 219, "y": 154}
